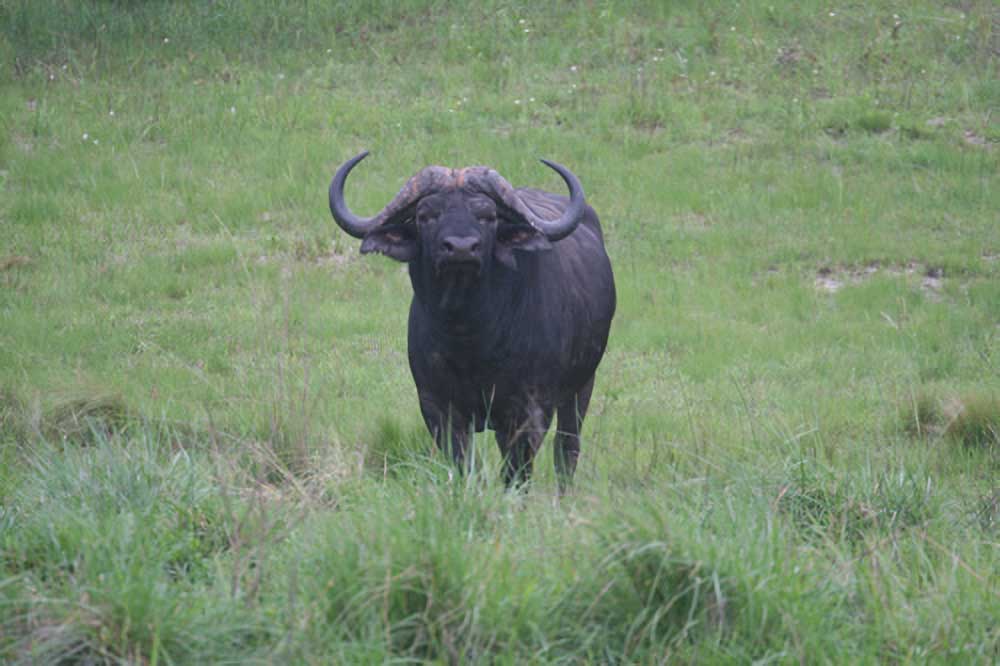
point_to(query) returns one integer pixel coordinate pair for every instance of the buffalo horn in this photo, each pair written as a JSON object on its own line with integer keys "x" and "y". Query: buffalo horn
{"x": 553, "y": 229}
{"x": 428, "y": 179}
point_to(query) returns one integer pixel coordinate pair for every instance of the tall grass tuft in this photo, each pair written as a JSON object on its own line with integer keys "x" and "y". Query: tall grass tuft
{"x": 977, "y": 425}
{"x": 119, "y": 545}
{"x": 417, "y": 571}
{"x": 85, "y": 417}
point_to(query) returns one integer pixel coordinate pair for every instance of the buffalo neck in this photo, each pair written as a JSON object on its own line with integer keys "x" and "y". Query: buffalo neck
{"x": 468, "y": 312}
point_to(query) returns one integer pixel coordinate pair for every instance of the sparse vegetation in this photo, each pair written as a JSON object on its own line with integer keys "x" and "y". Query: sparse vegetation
{"x": 210, "y": 447}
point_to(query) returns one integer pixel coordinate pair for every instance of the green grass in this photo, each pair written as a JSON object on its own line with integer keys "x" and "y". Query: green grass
{"x": 210, "y": 447}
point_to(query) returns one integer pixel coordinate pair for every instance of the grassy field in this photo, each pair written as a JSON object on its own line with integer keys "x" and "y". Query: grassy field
{"x": 210, "y": 447}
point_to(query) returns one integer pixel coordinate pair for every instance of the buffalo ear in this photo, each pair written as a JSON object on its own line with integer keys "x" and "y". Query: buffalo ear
{"x": 397, "y": 241}
{"x": 522, "y": 237}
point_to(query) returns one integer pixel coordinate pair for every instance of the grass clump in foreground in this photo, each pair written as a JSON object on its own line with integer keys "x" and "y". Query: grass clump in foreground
{"x": 978, "y": 424}
{"x": 210, "y": 449}
{"x": 972, "y": 420}
{"x": 112, "y": 549}
{"x": 133, "y": 548}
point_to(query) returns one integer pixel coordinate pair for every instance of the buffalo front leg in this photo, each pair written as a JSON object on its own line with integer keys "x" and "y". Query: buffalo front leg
{"x": 450, "y": 430}
{"x": 567, "y": 441}
{"x": 518, "y": 442}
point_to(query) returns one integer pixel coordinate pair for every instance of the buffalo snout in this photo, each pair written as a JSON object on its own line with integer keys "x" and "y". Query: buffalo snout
{"x": 460, "y": 253}
{"x": 460, "y": 248}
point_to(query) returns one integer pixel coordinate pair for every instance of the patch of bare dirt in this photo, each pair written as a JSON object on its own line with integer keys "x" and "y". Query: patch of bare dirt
{"x": 792, "y": 54}
{"x": 736, "y": 135}
{"x": 13, "y": 261}
{"x": 931, "y": 277}
{"x": 693, "y": 222}
{"x": 333, "y": 259}
{"x": 13, "y": 271}
{"x": 932, "y": 283}
{"x": 831, "y": 279}
{"x": 23, "y": 143}
{"x": 974, "y": 139}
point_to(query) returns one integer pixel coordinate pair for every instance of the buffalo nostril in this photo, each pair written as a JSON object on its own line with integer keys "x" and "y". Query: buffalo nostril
{"x": 460, "y": 245}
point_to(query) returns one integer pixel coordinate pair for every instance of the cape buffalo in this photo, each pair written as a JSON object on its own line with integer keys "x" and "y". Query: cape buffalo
{"x": 513, "y": 297}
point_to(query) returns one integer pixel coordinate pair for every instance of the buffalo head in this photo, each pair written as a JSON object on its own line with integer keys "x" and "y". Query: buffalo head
{"x": 457, "y": 221}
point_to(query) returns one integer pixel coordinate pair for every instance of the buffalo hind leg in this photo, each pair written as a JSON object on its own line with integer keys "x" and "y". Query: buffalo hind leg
{"x": 567, "y": 440}
{"x": 519, "y": 442}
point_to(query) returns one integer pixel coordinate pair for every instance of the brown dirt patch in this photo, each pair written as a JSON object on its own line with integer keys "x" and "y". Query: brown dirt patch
{"x": 831, "y": 279}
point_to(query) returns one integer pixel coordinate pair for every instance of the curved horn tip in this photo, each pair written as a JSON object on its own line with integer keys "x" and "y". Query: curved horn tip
{"x": 556, "y": 230}
{"x": 346, "y": 166}
{"x": 555, "y": 166}
{"x": 568, "y": 176}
